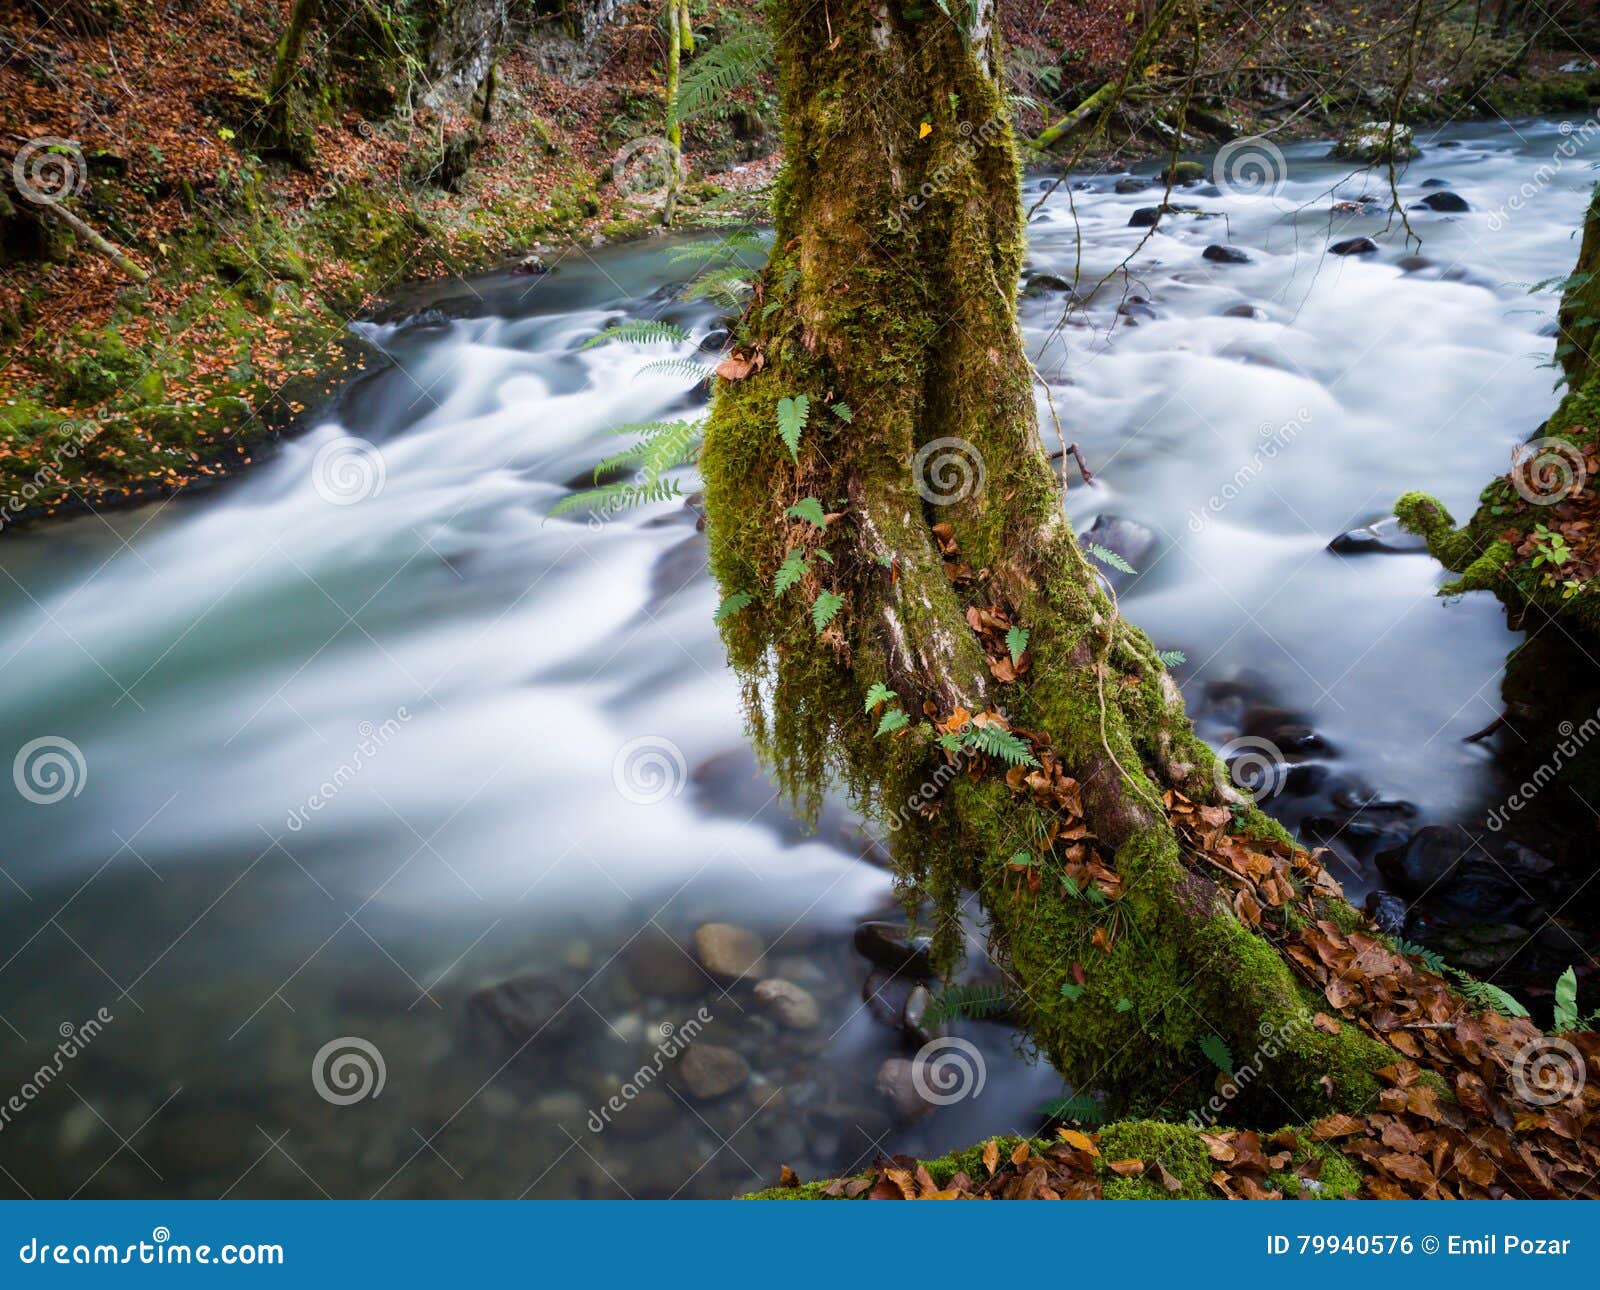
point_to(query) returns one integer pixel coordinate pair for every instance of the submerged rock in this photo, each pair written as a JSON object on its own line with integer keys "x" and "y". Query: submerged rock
{"x": 710, "y": 1071}
{"x": 1147, "y": 216}
{"x": 728, "y": 951}
{"x": 1244, "y": 311}
{"x": 1129, "y": 184}
{"x": 522, "y": 1009}
{"x": 1128, "y": 538}
{"x": 1445, "y": 201}
{"x": 1354, "y": 246}
{"x": 657, "y": 965}
{"x": 1225, "y": 255}
{"x": 792, "y": 1007}
{"x": 1044, "y": 284}
{"x": 896, "y": 1080}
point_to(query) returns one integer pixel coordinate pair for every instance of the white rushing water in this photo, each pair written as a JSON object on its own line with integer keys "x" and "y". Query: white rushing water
{"x": 365, "y": 730}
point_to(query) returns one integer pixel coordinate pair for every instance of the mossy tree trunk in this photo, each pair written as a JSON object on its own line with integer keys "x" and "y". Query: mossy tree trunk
{"x": 282, "y": 130}
{"x": 891, "y": 297}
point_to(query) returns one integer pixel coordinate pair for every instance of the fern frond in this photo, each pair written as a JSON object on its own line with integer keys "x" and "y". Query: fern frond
{"x": 1080, "y": 1107}
{"x": 735, "y": 242}
{"x": 1173, "y": 657}
{"x": 736, "y": 60}
{"x": 617, "y": 497}
{"x": 1016, "y": 642}
{"x": 995, "y": 742}
{"x": 967, "y": 1002}
{"x": 732, "y": 605}
{"x": 810, "y": 510}
{"x": 792, "y": 414}
{"x": 824, "y": 607}
{"x": 685, "y": 367}
{"x": 789, "y": 572}
{"x": 727, "y": 284}
{"x": 1107, "y": 556}
{"x": 676, "y": 443}
{"x": 1217, "y": 1053}
{"x": 878, "y": 693}
{"x": 648, "y": 331}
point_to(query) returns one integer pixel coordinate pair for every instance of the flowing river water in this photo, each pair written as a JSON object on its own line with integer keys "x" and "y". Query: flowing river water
{"x": 337, "y": 751}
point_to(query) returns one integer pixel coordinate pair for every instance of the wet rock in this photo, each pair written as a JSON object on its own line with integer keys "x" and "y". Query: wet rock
{"x": 1372, "y": 802}
{"x": 794, "y": 1008}
{"x": 1435, "y": 183}
{"x": 894, "y": 946}
{"x": 1044, "y": 284}
{"x": 1354, "y": 246}
{"x": 1304, "y": 778}
{"x": 896, "y": 1081}
{"x": 524, "y": 1008}
{"x": 1184, "y": 172}
{"x": 1148, "y": 216}
{"x": 657, "y": 965}
{"x": 1136, "y": 307}
{"x": 885, "y": 993}
{"x": 1244, "y": 311}
{"x": 729, "y": 952}
{"x": 1445, "y": 201}
{"x": 709, "y": 1071}
{"x": 652, "y": 1112}
{"x": 1288, "y": 731}
{"x": 1384, "y": 537}
{"x": 1128, "y": 538}
{"x": 1371, "y": 143}
{"x": 715, "y": 340}
{"x": 1225, "y": 255}
{"x": 916, "y": 1010}
{"x": 1129, "y": 184}
{"x": 1388, "y": 911}
{"x": 530, "y": 266}
{"x": 1413, "y": 263}
{"x": 1208, "y": 190}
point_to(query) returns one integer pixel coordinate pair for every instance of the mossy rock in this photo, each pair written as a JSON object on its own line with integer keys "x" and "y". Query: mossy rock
{"x": 1371, "y": 144}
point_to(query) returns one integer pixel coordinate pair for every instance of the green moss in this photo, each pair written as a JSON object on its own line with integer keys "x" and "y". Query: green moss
{"x": 1178, "y": 1148}
{"x": 1338, "y": 1178}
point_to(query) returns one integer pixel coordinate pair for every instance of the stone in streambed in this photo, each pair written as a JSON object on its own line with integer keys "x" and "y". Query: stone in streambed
{"x": 1128, "y": 538}
{"x": 885, "y": 994}
{"x": 1445, "y": 201}
{"x": 792, "y": 1007}
{"x": 1225, "y": 255}
{"x": 1383, "y": 537}
{"x": 523, "y": 1009}
{"x": 893, "y": 945}
{"x": 1129, "y": 184}
{"x": 896, "y": 1081}
{"x": 1354, "y": 246}
{"x": 709, "y": 1071}
{"x": 657, "y": 965}
{"x": 726, "y": 951}
{"x": 1147, "y": 216}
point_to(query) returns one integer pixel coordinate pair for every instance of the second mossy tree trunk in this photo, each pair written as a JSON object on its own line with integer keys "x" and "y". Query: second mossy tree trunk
{"x": 885, "y": 525}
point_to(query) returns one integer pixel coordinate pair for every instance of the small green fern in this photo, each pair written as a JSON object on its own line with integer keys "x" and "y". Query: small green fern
{"x": 1080, "y": 1107}
{"x": 732, "y": 605}
{"x": 810, "y": 510}
{"x": 967, "y": 1003}
{"x": 617, "y": 497}
{"x": 727, "y": 284}
{"x": 792, "y": 415}
{"x": 1107, "y": 556}
{"x": 1016, "y": 643}
{"x": 688, "y": 368}
{"x": 792, "y": 569}
{"x": 878, "y": 693}
{"x": 1173, "y": 657}
{"x": 650, "y": 331}
{"x": 823, "y": 609}
{"x": 893, "y": 720}
{"x": 995, "y": 742}
{"x": 733, "y": 62}
{"x": 1217, "y": 1053}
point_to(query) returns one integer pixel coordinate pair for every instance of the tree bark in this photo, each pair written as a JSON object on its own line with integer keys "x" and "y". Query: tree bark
{"x": 281, "y": 129}
{"x": 891, "y": 293}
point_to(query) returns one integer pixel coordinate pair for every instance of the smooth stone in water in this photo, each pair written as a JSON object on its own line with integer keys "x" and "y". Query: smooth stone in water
{"x": 1354, "y": 246}
{"x": 1146, "y": 216}
{"x": 892, "y": 945}
{"x": 912, "y": 1018}
{"x": 1435, "y": 183}
{"x": 885, "y": 994}
{"x": 1445, "y": 201}
{"x": 1412, "y": 263}
{"x": 793, "y": 1007}
{"x": 1128, "y": 538}
{"x": 1225, "y": 255}
{"x": 1244, "y": 311}
{"x": 728, "y": 951}
{"x": 657, "y": 965}
{"x": 1129, "y": 184}
{"x": 709, "y": 1071}
{"x": 1383, "y": 537}
{"x": 896, "y": 1081}
{"x": 1388, "y": 911}
{"x": 523, "y": 1007}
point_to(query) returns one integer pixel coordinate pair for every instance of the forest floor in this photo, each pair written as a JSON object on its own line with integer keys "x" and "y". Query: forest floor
{"x": 113, "y": 390}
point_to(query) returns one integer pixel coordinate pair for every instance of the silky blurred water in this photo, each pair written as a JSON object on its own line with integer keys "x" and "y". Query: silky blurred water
{"x": 366, "y": 730}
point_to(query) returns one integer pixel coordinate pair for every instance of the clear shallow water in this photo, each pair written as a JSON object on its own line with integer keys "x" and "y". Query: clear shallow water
{"x": 360, "y": 731}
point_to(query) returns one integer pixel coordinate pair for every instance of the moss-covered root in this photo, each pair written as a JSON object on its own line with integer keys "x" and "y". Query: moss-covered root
{"x": 1178, "y": 1149}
